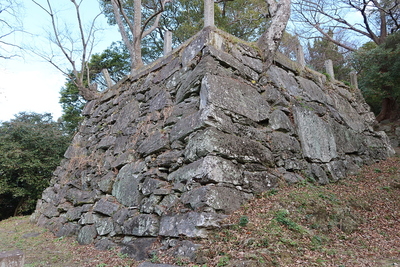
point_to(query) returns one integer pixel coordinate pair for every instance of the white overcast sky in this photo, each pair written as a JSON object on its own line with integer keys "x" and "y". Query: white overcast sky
{"x": 30, "y": 84}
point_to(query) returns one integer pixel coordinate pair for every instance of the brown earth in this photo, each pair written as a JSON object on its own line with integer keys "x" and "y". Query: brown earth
{"x": 355, "y": 222}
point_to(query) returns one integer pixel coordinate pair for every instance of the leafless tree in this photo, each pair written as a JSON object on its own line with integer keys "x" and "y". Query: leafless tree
{"x": 76, "y": 51}
{"x": 137, "y": 29}
{"x": 372, "y": 19}
{"x": 9, "y": 24}
{"x": 279, "y": 11}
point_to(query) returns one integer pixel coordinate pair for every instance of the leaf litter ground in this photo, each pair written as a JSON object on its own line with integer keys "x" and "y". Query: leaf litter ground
{"x": 354, "y": 222}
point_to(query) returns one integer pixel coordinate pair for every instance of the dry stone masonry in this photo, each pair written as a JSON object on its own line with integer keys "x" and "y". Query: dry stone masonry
{"x": 170, "y": 152}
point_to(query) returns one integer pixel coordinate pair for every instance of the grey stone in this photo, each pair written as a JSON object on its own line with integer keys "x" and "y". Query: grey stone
{"x": 128, "y": 114}
{"x": 53, "y": 224}
{"x": 168, "y": 70}
{"x": 316, "y": 136}
{"x": 222, "y": 199}
{"x": 105, "y": 244}
{"x": 68, "y": 229}
{"x": 187, "y": 125}
{"x": 88, "y": 109}
{"x": 160, "y": 101}
{"x": 254, "y": 63}
{"x": 106, "y": 182}
{"x": 74, "y": 214}
{"x": 227, "y": 59}
{"x": 89, "y": 218}
{"x": 183, "y": 109}
{"x": 122, "y": 215}
{"x": 49, "y": 195}
{"x": 104, "y": 226}
{"x": 142, "y": 225}
{"x": 378, "y": 146}
{"x": 284, "y": 145}
{"x": 76, "y": 149}
{"x": 347, "y": 140}
{"x": 150, "y": 185}
{"x": 397, "y": 131}
{"x": 106, "y": 206}
{"x": 138, "y": 249}
{"x": 210, "y": 169}
{"x": 273, "y": 96}
{"x": 168, "y": 158}
{"x": 281, "y": 79}
{"x": 192, "y": 224}
{"x": 212, "y": 141}
{"x": 148, "y": 204}
{"x": 336, "y": 170}
{"x": 167, "y": 203}
{"x": 190, "y": 84}
{"x": 86, "y": 235}
{"x": 193, "y": 49}
{"x": 319, "y": 174}
{"x": 244, "y": 100}
{"x": 15, "y": 258}
{"x": 279, "y": 121}
{"x": 156, "y": 142}
{"x": 126, "y": 186}
{"x": 312, "y": 91}
{"x": 106, "y": 142}
{"x": 80, "y": 197}
{"x": 260, "y": 181}
{"x": 49, "y": 210}
{"x": 394, "y": 142}
{"x": 292, "y": 177}
{"x": 185, "y": 249}
{"x": 348, "y": 114}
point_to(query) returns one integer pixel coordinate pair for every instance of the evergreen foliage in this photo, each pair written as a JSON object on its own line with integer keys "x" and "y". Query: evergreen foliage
{"x": 116, "y": 60}
{"x": 31, "y": 147}
{"x": 72, "y": 104}
{"x": 244, "y": 19}
{"x": 379, "y": 71}
{"x": 322, "y": 50}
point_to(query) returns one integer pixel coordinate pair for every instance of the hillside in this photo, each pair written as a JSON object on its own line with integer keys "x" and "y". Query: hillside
{"x": 354, "y": 222}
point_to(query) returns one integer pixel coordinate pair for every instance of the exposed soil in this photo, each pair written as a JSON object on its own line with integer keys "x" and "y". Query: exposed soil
{"x": 355, "y": 222}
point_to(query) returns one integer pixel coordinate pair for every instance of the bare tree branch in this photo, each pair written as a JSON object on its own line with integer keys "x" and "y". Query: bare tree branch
{"x": 9, "y": 25}
{"x": 80, "y": 75}
{"x": 316, "y": 17}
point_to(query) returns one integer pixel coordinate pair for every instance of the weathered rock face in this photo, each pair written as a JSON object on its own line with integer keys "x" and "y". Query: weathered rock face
{"x": 195, "y": 135}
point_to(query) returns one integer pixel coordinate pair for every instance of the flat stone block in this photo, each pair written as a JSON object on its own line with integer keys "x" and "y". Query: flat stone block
{"x": 15, "y": 258}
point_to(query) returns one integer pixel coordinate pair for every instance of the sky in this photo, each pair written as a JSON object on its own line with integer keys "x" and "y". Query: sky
{"x": 27, "y": 82}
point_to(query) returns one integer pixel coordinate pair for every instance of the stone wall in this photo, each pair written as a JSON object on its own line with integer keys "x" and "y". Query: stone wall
{"x": 168, "y": 153}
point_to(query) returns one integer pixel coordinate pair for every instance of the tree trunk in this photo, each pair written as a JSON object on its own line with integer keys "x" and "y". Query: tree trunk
{"x": 390, "y": 110}
{"x": 270, "y": 40}
{"x": 20, "y": 202}
{"x": 89, "y": 93}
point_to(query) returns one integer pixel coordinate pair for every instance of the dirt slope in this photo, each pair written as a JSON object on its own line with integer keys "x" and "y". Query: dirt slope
{"x": 355, "y": 222}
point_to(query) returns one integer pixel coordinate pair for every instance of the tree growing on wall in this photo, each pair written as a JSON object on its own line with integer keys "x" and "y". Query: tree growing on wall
{"x": 136, "y": 29}
{"x": 269, "y": 42}
{"x": 246, "y": 19}
{"x": 116, "y": 60}
{"x": 31, "y": 147}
